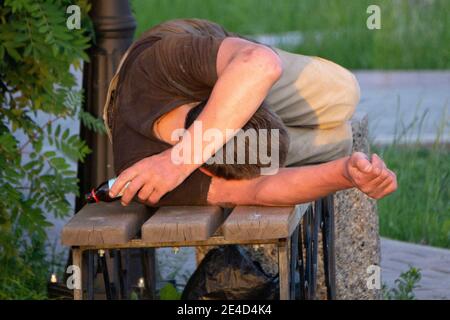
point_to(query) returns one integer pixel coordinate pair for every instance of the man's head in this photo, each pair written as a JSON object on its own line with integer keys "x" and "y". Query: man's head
{"x": 257, "y": 154}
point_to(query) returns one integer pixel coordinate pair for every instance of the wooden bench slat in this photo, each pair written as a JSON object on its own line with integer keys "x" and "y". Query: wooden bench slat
{"x": 257, "y": 223}
{"x": 182, "y": 223}
{"x": 105, "y": 223}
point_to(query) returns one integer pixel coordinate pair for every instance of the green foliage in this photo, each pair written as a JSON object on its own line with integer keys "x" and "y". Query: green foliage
{"x": 169, "y": 292}
{"x": 36, "y": 52}
{"x": 405, "y": 285}
{"x": 134, "y": 296}
{"x": 24, "y": 272}
{"x": 419, "y": 211}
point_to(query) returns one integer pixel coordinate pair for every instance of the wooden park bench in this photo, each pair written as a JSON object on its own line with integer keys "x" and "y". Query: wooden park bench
{"x": 99, "y": 227}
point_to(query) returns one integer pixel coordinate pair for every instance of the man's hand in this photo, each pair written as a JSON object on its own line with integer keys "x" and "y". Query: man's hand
{"x": 371, "y": 177}
{"x": 152, "y": 177}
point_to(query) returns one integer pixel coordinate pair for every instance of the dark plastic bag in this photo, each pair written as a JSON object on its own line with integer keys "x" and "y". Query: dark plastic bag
{"x": 227, "y": 273}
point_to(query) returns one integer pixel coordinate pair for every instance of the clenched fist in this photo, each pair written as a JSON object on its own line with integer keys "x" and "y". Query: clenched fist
{"x": 370, "y": 176}
{"x": 150, "y": 178}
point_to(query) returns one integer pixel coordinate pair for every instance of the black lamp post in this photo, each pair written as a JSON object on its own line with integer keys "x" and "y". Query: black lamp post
{"x": 114, "y": 29}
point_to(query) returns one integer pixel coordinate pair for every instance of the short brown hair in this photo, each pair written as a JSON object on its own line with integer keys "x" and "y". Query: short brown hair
{"x": 263, "y": 118}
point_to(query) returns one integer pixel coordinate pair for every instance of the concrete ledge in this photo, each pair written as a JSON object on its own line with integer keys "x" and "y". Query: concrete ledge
{"x": 357, "y": 239}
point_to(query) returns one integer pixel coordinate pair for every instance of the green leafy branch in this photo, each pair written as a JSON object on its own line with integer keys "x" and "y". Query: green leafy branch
{"x": 405, "y": 285}
{"x": 37, "y": 51}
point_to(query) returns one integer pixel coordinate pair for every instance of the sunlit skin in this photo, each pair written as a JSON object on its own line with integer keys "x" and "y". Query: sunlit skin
{"x": 295, "y": 185}
{"x": 246, "y": 72}
{"x": 290, "y": 186}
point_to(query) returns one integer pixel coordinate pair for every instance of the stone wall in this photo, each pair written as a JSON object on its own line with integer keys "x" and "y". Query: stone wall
{"x": 357, "y": 240}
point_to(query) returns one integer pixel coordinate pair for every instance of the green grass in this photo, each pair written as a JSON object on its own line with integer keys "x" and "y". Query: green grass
{"x": 414, "y": 34}
{"x": 419, "y": 211}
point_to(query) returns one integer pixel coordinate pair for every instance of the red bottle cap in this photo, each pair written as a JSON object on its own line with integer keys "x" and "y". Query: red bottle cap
{"x": 94, "y": 195}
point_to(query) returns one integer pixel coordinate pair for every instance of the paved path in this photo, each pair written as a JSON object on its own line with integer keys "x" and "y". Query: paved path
{"x": 397, "y": 257}
{"x": 391, "y": 98}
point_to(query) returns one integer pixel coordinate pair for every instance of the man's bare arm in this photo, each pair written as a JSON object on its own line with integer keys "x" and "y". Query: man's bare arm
{"x": 246, "y": 72}
{"x": 291, "y": 186}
